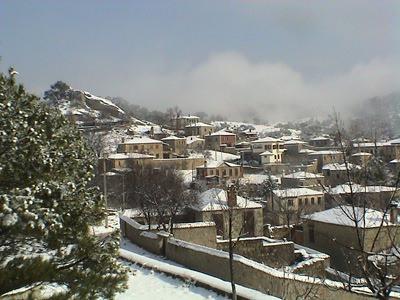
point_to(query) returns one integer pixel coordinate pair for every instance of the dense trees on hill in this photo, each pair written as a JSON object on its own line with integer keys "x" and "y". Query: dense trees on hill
{"x": 47, "y": 204}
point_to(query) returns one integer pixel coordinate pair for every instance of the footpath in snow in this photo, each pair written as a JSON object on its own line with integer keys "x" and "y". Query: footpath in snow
{"x": 134, "y": 253}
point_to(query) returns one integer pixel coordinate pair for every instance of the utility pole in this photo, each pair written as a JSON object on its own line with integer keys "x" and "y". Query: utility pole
{"x": 105, "y": 186}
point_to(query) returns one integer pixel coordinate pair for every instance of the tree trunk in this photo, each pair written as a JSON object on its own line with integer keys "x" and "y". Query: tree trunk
{"x": 231, "y": 255}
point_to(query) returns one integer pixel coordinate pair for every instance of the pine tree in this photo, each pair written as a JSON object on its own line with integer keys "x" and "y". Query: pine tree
{"x": 47, "y": 203}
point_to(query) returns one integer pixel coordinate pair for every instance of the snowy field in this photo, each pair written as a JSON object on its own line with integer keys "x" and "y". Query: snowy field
{"x": 147, "y": 284}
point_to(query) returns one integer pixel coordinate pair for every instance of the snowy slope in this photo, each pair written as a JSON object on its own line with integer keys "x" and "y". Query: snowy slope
{"x": 86, "y": 107}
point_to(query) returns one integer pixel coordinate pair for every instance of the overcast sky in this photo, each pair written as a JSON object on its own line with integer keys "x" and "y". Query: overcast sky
{"x": 273, "y": 60}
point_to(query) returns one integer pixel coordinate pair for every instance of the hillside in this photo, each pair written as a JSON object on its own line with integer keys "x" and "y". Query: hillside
{"x": 82, "y": 106}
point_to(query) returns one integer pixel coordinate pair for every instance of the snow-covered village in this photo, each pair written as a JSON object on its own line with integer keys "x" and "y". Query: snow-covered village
{"x": 199, "y": 150}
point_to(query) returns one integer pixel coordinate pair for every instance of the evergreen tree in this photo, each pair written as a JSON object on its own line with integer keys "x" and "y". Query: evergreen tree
{"x": 57, "y": 92}
{"x": 47, "y": 203}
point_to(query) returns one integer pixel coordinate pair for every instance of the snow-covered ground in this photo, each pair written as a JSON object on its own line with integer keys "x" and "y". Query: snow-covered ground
{"x": 148, "y": 284}
{"x": 134, "y": 253}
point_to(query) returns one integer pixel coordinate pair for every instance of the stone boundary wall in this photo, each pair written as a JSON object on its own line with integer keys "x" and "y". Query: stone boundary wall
{"x": 255, "y": 275}
{"x": 248, "y": 273}
{"x": 272, "y": 253}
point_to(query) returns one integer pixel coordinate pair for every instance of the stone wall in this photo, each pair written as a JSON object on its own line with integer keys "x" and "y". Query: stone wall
{"x": 255, "y": 275}
{"x": 272, "y": 253}
{"x": 137, "y": 233}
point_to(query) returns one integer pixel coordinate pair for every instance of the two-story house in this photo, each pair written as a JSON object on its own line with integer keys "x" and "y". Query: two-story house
{"x": 220, "y": 140}
{"x": 141, "y": 144}
{"x": 269, "y": 149}
{"x": 198, "y": 129}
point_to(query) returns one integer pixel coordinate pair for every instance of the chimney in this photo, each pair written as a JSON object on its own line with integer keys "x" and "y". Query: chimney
{"x": 205, "y": 164}
{"x": 394, "y": 213}
{"x": 232, "y": 197}
{"x": 123, "y": 140}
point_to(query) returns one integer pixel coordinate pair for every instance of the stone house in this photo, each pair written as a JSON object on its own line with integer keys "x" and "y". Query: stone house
{"x": 269, "y": 149}
{"x": 142, "y": 145}
{"x": 176, "y": 145}
{"x": 360, "y": 158}
{"x": 194, "y": 142}
{"x": 386, "y": 150}
{"x": 320, "y": 142}
{"x": 374, "y": 196}
{"x": 325, "y": 157}
{"x": 125, "y": 160}
{"x": 334, "y": 232}
{"x": 293, "y": 152}
{"x": 198, "y": 129}
{"x": 220, "y": 140}
{"x": 215, "y": 204}
{"x": 180, "y": 122}
{"x": 220, "y": 170}
{"x": 336, "y": 173}
{"x": 302, "y": 179}
{"x": 288, "y": 205}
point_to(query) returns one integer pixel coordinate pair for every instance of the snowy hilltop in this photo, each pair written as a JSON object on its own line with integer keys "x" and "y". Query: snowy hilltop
{"x": 82, "y": 106}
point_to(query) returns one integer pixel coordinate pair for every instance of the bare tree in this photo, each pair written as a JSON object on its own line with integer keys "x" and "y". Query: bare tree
{"x": 373, "y": 258}
{"x": 161, "y": 195}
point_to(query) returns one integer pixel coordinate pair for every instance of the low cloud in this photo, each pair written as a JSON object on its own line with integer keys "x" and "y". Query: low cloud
{"x": 232, "y": 85}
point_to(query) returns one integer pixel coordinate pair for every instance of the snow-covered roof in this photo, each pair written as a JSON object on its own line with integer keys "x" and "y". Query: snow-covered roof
{"x": 266, "y": 153}
{"x": 369, "y": 144}
{"x": 129, "y": 155}
{"x": 198, "y": 124}
{"x": 192, "y": 139}
{"x": 344, "y": 215}
{"x": 307, "y": 151}
{"x": 302, "y": 175}
{"x": 188, "y": 117}
{"x": 255, "y": 178}
{"x": 171, "y": 138}
{"x": 325, "y": 152}
{"x": 266, "y": 140}
{"x": 320, "y": 138}
{"x": 216, "y": 199}
{"x": 361, "y": 154}
{"x": 293, "y": 142}
{"x": 340, "y": 167}
{"x": 357, "y": 188}
{"x": 222, "y": 132}
{"x": 216, "y": 164}
{"x": 141, "y": 140}
{"x": 296, "y": 192}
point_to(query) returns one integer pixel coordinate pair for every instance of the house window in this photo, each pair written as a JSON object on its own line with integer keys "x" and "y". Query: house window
{"x": 319, "y": 200}
{"x": 274, "y": 147}
{"x": 236, "y": 172}
{"x": 275, "y": 156}
{"x": 328, "y": 172}
{"x": 312, "y": 200}
{"x": 306, "y": 201}
{"x": 290, "y": 202}
{"x": 230, "y": 172}
{"x": 217, "y": 172}
{"x": 311, "y": 235}
{"x": 300, "y": 201}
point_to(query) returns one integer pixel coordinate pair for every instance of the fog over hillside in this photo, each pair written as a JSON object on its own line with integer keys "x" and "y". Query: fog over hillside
{"x": 232, "y": 85}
